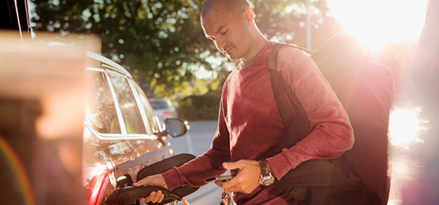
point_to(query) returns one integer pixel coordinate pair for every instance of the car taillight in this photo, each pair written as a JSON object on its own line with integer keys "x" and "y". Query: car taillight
{"x": 168, "y": 113}
{"x": 97, "y": 184}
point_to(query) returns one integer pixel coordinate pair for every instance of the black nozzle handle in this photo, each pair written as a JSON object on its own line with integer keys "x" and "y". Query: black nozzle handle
{"x": 128, "y": 195}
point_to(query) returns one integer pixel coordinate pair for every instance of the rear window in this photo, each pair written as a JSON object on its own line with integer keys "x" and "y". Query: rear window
{"x": 100, "y": 108}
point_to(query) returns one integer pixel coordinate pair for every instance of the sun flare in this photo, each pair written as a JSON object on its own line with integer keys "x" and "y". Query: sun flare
{"x": 378, "y": 23}
{"x": 405, "y": 126}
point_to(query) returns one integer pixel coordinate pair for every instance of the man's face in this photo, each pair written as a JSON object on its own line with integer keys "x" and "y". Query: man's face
{"x": 229, "y": 31}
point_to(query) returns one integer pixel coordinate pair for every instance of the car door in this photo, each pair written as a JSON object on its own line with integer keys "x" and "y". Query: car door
{"x": 121, "y": 132}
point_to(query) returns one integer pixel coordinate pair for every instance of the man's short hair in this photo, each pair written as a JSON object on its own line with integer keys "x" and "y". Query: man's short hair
{"x": 235, "y": 6}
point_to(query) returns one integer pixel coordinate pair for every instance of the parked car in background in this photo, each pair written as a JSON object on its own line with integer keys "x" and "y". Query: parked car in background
{"x": 163, "y": 108}
{"x": 122, "y": 135}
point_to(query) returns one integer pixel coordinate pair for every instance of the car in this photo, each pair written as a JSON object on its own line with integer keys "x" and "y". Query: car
{"x": 122, "y": 135}
{"x": 163, "y": 108}
{"x": 122, "y": 139}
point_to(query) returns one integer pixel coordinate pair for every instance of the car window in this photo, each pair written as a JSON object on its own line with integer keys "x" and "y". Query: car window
{"x": 127, "y": 103}
{"x": 151, "y": 123}
{"x": 100, "y": 112}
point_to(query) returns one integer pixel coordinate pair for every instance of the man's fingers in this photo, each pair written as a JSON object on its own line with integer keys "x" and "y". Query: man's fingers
{"x": 156, "y": 196}
{"x": 161, "y": 197}
{"x": 155, "y": 180}
{"x": 229, "y": 186}
{"x": 247, "y": 178}
{"x": 150, "y": 197}
{"x": 239, "y": 188}
{"x": 231, "y": 189}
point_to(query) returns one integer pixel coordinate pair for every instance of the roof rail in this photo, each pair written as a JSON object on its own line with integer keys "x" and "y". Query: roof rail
{"x": 109, "y": 62}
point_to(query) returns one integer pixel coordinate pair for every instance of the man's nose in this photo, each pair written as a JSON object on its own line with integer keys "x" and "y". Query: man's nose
{"x": 220, "y": 44}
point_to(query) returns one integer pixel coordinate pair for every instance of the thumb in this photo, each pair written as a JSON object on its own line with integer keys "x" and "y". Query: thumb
{"x": 142, "y": 182}
{"x": 232, "y": 165}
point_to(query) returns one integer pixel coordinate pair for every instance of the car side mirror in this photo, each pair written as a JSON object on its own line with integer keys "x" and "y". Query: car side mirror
{"x": 176, "y": 127}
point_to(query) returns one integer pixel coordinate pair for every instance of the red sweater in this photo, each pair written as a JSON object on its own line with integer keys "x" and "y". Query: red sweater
{"x": 249, "y": 124}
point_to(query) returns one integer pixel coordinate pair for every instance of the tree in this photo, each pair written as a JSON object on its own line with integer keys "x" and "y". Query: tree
{"x": 145, "y": 36}
{"x": 161, "y": 41}
{"x": 285, "y": 20}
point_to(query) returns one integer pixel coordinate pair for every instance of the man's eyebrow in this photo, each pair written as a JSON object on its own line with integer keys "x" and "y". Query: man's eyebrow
{"x": 219, "y": 28}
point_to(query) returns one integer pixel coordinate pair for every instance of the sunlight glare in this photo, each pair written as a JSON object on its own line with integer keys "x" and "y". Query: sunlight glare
{"x": 98, "y": 170}
{"x": 378, "y": 23}
{"x": 404, "y": 126}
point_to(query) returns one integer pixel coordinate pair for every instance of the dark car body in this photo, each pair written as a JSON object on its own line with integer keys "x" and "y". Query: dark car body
{"x": 121, "y": 135}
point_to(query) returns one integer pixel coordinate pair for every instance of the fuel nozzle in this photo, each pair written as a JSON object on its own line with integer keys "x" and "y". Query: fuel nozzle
{"x": 128, "y": 195}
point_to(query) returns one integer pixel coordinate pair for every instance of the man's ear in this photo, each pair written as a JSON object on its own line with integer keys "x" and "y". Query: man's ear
{"x": 249, "y": 15}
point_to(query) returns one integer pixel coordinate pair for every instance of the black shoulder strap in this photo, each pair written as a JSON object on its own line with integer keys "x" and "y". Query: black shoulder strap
{"x": 297, "y": 126}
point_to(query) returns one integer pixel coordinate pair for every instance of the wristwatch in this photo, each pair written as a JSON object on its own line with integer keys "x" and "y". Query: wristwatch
{"x": 267, "y": 178}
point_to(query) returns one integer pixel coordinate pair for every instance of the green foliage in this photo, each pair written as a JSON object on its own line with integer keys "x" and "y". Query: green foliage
{"x": 200, "y": 107}
{"x": 156, "y": 39}
{"x": 162, "y": 40}
{"x": 162, "y": 44}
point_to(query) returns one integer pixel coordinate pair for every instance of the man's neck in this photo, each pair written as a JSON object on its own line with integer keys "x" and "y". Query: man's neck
{"x": 261, "y": 46}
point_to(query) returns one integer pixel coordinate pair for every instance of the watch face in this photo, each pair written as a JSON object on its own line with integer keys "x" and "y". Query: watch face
{"x": 266, "y": 180}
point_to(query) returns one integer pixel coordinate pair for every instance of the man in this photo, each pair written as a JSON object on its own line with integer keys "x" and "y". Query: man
{"x": 250, "y": 126}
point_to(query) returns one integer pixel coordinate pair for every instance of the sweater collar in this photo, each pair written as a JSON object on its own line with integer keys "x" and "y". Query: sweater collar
{"x": 260, "y": 59}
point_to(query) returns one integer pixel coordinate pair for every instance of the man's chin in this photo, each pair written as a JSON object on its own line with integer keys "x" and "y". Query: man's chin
{"x": 232, "y": 58}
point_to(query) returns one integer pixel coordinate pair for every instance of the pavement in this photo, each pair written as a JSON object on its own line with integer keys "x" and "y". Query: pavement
{"x": 196, "y": 142}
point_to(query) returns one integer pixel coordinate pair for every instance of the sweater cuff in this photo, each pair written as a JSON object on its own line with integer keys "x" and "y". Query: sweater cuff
{"x": 283, "y": 162}
{"x": 278, "y": 164}
{"x": 172, "y": 178}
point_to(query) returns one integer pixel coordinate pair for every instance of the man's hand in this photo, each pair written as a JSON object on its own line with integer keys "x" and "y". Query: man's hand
{"x": 247, "y": 178}
{"x": 155, "y": 180}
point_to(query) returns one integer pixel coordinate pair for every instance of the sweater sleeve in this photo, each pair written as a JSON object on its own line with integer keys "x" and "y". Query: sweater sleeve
{"x": 207, "y": 165}
{"x": 331, "y": 133}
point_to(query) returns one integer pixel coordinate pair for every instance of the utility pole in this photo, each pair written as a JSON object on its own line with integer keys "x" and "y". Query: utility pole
{"x": 308, "y": 27}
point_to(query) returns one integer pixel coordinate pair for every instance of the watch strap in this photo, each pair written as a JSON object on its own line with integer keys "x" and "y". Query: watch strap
{"x": 265, "y": 167}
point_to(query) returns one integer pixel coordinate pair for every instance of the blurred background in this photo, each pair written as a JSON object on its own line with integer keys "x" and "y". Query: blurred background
{"x": 163, "y": 46}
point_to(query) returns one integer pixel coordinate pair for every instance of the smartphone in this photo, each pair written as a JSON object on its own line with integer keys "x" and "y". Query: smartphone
{"x": 223, "y": 178}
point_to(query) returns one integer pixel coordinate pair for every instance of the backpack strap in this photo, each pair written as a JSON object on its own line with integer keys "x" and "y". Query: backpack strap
{"x": 297, "y": 126}
{"x": 283, "y": 106}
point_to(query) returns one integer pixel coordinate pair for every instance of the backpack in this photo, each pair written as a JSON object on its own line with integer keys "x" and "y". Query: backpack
{"x": 366, "y": 91}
